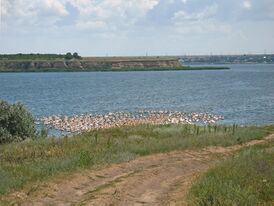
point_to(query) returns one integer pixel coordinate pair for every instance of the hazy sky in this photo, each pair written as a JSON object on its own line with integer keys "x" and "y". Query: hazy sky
{"x": 137, "y": 27}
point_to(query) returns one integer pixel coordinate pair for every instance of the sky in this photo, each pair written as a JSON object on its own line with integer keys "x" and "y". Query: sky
{"x": 137, "y": 27}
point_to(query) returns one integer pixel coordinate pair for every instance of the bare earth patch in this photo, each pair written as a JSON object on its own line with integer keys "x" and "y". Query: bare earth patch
{"x": 161, "y": 179}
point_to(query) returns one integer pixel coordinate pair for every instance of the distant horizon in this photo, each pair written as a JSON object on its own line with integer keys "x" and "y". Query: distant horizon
{"x": 178, "y": 55}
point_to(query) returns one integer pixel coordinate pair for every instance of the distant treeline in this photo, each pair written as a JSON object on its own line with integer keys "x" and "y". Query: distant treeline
{"x": 38, "y": 56}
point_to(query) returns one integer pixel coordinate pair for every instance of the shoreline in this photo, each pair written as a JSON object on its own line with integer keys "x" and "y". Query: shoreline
{"x": 183, "y": 68}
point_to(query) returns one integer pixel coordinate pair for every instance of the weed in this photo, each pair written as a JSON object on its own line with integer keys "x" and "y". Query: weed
{"x": 245, "y": 179}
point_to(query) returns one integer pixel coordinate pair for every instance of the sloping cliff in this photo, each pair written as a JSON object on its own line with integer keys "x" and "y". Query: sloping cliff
{"x": 88, "y": 65}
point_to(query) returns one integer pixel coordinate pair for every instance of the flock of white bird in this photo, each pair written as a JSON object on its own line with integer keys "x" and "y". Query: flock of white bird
{"x": 85, "y": 122}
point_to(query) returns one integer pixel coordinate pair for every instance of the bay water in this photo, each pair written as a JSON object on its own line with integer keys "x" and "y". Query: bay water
{"x": 243, "y": 95}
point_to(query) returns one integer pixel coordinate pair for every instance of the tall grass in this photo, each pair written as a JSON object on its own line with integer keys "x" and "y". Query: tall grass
{"x": 33, "y": 160}
{"x": 245, "y": 179}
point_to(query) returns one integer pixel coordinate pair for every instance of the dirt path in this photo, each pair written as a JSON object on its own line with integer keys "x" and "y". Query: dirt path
{"x": 161, "y": 179}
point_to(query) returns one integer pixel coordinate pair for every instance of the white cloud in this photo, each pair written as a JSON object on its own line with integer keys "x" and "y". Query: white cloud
{"x": 56, "y": 6}
{"x": 27, "y": 15}
{"x": 207, "y": 12}
{"x": 5, "y": 7}
{"x": 93, "y": 14}
{"x": 114, "y": 8}
{"x": 22, "y": 8}
{"x": 207, "y": 26}
{"x": 94, "y": 25}
{"x": 124, "y": 15}
{"x": 203, "y": 21}
{"x": 247, "y": 5}
{"x": 111, "y": 14}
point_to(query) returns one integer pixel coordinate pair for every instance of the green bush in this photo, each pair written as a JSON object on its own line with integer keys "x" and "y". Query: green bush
{"x": 68, "y": 56}
{"x": 16, "y": 123}
{"x": 76, "y": 56}
{"x": 5, "y": 136}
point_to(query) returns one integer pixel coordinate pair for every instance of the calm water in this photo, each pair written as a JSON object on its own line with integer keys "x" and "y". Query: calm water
{"x": 244, "y": 94}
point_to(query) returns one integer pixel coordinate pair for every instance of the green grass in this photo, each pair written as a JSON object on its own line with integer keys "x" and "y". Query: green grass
{"x": 206, "y": 68}
{"x": 35, "y": 160}
{"x": 245, "y": 179}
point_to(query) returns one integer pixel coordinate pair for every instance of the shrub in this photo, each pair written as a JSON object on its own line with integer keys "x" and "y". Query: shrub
{"x": 5, "y": 136}
{"x": 76, "y": 56}
{"x": 68, "y": 56}
{"x": 16, "y": 123}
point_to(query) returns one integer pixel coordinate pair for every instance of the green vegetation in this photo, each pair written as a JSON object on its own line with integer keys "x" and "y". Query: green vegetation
{"x": 34, "y": 160}
{"x": 39, "y": 57}
{"x": 245, "y": 179}
{"x": 205, "y": 68}
{"x": 16, "y": 123}
{"x": 21, "y": 56}
{"x": 75, "y": 63}
{"x": 70, "y": 56}
{"x": 76, "y": 56}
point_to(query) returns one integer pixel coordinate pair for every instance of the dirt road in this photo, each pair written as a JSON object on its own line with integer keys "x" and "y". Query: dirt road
{"x": 161, "y": 179}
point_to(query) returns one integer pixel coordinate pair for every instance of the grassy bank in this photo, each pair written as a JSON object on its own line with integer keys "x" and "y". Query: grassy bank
{"x": 206, "y": 68}
{"x": 35, "y": 160}
{"x": 245, "y": 179}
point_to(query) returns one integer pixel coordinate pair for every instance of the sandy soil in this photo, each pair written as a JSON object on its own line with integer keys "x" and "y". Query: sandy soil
{"x": 161, "y": 179}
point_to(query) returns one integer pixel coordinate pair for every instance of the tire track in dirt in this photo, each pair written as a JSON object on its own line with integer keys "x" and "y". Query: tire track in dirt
{"x": 160, "y": 179}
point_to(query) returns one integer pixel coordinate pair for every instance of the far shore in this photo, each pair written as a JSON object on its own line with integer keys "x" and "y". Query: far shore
{"x": 183, "y": 68}
{"x": 54, "y": 63}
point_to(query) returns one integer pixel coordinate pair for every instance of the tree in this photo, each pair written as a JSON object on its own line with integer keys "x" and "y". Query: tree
{"x": 68, "y": 56}
{"x": 16, "y": 123}
{"x": 76, "y": 56}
